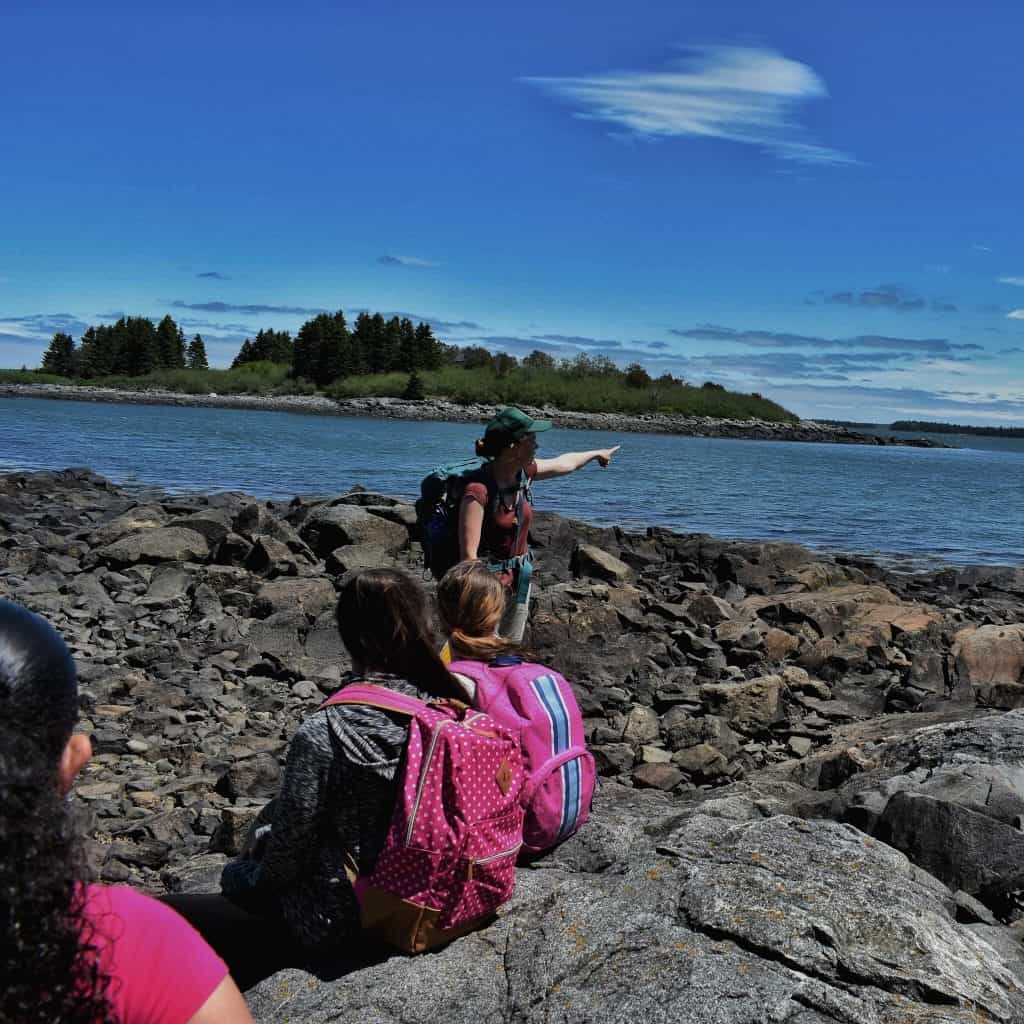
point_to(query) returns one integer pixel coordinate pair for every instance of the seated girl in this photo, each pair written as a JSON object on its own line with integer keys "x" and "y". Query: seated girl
{"x": 72, "y": 950}
{"x": 532, "y": 701}
{"x": 288, "y": 901}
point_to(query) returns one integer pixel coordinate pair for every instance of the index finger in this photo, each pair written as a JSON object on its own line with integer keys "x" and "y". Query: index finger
{"x": 612, "y": 451}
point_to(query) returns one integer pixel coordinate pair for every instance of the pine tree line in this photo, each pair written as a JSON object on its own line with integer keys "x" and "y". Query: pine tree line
{"x": 131, "y": 347}
{"x": 325, "y": 349}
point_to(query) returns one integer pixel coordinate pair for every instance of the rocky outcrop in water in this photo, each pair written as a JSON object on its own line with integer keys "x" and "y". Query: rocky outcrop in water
{"x": 814, "y": 775}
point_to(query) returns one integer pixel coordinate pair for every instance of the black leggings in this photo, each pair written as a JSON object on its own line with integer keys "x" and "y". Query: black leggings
{"x": 253, "y": 947}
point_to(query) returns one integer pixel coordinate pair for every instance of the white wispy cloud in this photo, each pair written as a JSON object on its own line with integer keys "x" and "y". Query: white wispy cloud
{"x": 743, "y": 94}
{"x": 1015, "y": 314}
{"x": 1019, "y": 281}
{"x": 406, "y": 261}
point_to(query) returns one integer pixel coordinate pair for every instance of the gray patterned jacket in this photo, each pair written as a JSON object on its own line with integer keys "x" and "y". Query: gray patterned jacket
{"x": 337, "y": 796}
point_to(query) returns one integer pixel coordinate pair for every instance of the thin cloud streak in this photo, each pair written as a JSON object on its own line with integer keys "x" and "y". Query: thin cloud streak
{"x": 406, "y": 261}
{"x": 743, "y": 94}
{"x": 890, "y": 297}
{"x": 231, "y": 307}
{"x": 875, "y": 342}
{"x": 1018, "y": 281}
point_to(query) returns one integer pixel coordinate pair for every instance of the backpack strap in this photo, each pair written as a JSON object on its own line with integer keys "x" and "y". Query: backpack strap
{"x": 381, "y": 697}
{"x": 377, "y": 697}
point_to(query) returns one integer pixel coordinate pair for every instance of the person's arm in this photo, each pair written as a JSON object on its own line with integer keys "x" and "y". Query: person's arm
{"x": 471, "y": 522}
{"x": 298, "y": 810}
{"x": 225, "y": 1006}
{"x": 563, "y": 465}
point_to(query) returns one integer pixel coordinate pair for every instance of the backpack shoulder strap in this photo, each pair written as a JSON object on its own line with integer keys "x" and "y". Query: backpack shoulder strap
{"x": 476, "y": 670}
{"x": 377, "y": 697}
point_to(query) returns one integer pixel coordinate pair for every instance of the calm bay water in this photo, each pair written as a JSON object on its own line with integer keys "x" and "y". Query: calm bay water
{"x": 959, "y": 506}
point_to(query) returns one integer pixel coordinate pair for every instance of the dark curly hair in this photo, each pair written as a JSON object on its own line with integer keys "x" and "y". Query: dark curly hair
{"x": 49, "y": 962}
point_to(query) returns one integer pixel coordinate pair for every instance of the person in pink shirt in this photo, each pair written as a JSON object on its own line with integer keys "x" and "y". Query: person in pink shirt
{"x": 74, "y": 951}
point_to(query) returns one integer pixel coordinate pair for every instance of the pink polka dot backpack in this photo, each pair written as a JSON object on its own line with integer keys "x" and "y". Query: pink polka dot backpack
{"x": 538, "y": 707}
{"x": 448, "y": 862}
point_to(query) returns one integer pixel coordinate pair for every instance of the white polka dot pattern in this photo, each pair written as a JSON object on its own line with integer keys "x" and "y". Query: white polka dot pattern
{"x": 458, "y": 823}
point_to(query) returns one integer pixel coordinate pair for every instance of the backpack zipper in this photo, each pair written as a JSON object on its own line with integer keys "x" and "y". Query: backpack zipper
{"x": 494, "y": 856}
{"x": 422, "y": 782}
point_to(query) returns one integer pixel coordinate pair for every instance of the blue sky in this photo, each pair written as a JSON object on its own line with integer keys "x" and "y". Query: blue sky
{"x": 820, "y": 202}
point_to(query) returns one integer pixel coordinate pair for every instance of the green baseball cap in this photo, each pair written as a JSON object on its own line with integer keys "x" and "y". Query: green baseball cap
{"x": 516, "y": 423}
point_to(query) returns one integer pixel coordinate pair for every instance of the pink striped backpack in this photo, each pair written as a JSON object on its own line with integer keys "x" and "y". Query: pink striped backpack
{"x": 449, "y": 858}
{"x": 538, "y": 707}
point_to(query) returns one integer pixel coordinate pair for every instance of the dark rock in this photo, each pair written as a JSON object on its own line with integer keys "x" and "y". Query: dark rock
{"x": 589, "y": 560}
{"x": 313, "y": 596}
{"x": 163, "y": 544}
{"x": 258, "y": 776}
{"x": 332, "y": 526}
{"x": 702, "y": 762}
{"x": 657, "y": 776}
{"x": 961, "y": 847}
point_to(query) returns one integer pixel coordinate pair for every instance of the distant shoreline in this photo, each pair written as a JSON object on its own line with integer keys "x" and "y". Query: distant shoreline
{"x": 441, "y": 410}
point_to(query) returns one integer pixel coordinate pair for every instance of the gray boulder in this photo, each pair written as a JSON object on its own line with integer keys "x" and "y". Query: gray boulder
{"x": 160, "y": 544}
{"x": 728, "y": 919}
{"x": 590, "y": 560}
{"x": 332, "y": 526}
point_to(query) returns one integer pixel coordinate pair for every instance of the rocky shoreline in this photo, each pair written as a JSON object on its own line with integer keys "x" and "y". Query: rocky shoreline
{"x": 440, "y": 410}
{"x": 813, "y": 768}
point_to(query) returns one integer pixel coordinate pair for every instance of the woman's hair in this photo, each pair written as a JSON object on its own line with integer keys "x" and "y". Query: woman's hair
{"x": 470, "y": 603}
{"x": 50, "y": 966}
{"x": 384, "y": 624}
{"x": 493, "y": 443}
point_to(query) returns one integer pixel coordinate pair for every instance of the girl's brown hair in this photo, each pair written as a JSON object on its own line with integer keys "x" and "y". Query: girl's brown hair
{"x": 383, "y": 621}
{"x": 470, "y": 602}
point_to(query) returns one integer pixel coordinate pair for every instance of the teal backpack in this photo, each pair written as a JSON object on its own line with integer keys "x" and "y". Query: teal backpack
{"x": 437, "y": 510}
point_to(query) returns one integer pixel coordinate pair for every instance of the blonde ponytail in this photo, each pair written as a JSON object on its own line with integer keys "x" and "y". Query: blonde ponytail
{"x": 470, "y": 603}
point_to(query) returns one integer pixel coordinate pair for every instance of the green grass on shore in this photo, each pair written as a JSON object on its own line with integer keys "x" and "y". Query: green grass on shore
{"x": 248, "y": 379}
{"x": 521, "y": 385}
{"x": 554, "y": 388}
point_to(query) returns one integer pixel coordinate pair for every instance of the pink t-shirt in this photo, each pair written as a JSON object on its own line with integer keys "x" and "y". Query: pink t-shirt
{"x": 161, "y": 969}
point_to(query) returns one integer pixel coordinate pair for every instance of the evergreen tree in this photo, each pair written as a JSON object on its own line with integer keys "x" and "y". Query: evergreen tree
{"x": 428, "y": 348}
{"x": 406, "y": 346}
{"x": 369, "y": 343}
{"x": 322, "y": 349}
{"x": 97, "y": 355}
{"x": 138, "y": 346}
{"x": 335, "y": 349}
{"x": 170, "y": 344}
{"x": 304, "y": 351}
{"x": 413, "y": 388}
{"x": 60, "y": 358}
{"x": 391, "y": 345}
{"x": 271, "y": 346}
{"x": 244, "y": 355}
{"x": 197, "y": 354}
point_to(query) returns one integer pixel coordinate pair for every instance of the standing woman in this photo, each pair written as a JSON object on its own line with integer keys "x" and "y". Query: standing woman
{"x": 495, "y": 512}
{"x": 69, "y": 950}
